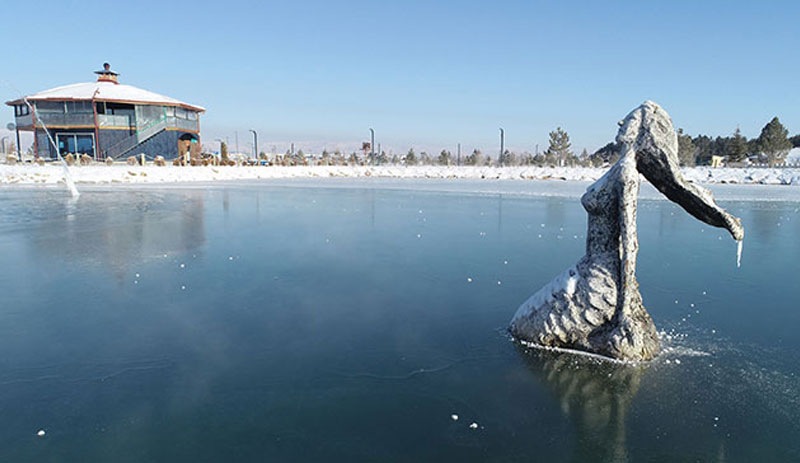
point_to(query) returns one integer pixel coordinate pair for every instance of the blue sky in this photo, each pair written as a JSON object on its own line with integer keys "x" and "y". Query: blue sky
{"x": 423, "y": 74}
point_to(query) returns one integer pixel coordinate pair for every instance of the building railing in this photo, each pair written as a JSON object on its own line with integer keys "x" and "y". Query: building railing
{"x": 110, "y": 120}
{"x": 126, "y": 144}
{"x": 24, "y": 121}
{"x": 66, "y": 119}
{"x": 184, "y": 124}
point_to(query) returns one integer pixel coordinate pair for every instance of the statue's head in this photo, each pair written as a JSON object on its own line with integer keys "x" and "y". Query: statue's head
{"x": 649, "y": 129}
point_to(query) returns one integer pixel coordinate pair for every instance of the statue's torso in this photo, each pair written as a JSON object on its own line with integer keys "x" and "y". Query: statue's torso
{"x": 602, "y": 203}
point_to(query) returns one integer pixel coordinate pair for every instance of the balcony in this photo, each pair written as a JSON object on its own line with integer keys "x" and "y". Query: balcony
{"x": 53, "y": 119}
{"x": 25, "y": 121}
{"x": 119, "y": 121}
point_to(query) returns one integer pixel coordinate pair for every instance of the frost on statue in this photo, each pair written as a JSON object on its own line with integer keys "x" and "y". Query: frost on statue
{"x": 595, "y": 306}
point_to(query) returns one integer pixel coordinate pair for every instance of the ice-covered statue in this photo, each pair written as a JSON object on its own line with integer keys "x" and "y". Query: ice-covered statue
{"x": 595, "y": 306}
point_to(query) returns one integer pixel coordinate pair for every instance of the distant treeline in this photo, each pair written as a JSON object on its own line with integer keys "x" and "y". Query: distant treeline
{"x": 771, "y": 147}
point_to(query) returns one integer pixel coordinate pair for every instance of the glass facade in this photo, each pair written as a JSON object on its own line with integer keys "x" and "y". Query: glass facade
{"x": 75, "y": 143}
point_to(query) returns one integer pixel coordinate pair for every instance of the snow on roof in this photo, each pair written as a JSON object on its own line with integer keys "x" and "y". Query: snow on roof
{"x": 107, "y": 91}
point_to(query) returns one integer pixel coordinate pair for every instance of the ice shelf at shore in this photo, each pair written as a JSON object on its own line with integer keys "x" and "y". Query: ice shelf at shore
{"x": 32, "y": 174}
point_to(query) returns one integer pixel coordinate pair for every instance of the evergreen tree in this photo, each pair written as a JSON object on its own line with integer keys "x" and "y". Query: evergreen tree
{"x": 526, "y": 159}
{"x": 737, "y": 148}
{"x": 508, "y": 158}
{"x": 752, "y": 146}
{"x": 559, "y": 149}
{"x": 383, "y": 158}
{"x": 411, "y": 157}
{"x": 445, "y": 158}
{"x": 720, "y": 146}
{"x": 795, "y": 141}
{"x": 703, "y": 149}
{"x": 686, "y": 149}
{"x": 475, "y": 159}
{"x": 223, "y": 151}
{"x": 774, "y": 142}
{"x": 424, "y": 158}
{"x": 608, "y": 154}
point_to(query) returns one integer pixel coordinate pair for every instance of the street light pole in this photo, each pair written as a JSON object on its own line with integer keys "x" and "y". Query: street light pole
{"x": 371, "y": 146}
{"x": 255, "y": 145}
{"x": 502, "y": 143}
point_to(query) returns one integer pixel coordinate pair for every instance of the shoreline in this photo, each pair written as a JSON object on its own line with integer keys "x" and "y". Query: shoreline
{"x": 53, "y": 174}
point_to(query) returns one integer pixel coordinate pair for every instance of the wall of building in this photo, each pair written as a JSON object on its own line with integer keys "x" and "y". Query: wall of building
{"x": 108, "y": 139}
{"x": 166, "y": 143}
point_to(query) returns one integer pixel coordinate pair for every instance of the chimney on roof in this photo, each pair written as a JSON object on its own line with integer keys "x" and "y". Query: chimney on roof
{"x": 106, "y": 75}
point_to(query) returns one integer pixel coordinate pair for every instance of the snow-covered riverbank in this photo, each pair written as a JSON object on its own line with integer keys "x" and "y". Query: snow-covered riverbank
{"x": 32, "y": 174}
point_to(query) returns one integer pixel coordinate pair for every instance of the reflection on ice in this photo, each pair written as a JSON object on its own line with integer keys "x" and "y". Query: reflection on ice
{"x": 118, "y": 231}
{"x": 595, "y": 394}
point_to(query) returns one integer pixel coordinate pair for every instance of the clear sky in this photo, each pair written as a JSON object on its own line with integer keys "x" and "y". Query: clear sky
{"x": 423, "y": 74}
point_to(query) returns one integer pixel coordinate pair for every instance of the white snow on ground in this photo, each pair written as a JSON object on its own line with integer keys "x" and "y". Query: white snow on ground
{"x": 793, "y": 158}
{"x": 53, "y": 173}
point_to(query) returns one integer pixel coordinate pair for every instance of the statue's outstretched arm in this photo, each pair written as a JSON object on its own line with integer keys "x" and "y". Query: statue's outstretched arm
{"x": 665, "y": 175}
{"x": 648, "y": 131}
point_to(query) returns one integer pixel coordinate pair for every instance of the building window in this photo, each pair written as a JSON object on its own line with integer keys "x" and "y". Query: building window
{"x": 21, "y": 110}
{"x": 79, "y": 107}
{"x": 75, "y": 143}
{"x": 50, "y": 106}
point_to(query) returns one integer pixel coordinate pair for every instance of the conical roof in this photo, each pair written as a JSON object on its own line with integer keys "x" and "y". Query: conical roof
{"x": 106, "y": 91}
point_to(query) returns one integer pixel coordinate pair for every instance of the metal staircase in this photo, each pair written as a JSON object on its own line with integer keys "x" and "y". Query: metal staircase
{"x": 124, "y": 146}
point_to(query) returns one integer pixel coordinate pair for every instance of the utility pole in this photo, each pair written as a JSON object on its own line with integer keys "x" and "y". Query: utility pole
{"x": 255, "y": 145}
{"x": 502, "y": 143}
{"x": 458, "y": 162}
{"x": 371, "y": 146}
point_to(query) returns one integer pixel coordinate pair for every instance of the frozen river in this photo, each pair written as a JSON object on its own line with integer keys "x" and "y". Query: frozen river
{"x": 364, "y": 320}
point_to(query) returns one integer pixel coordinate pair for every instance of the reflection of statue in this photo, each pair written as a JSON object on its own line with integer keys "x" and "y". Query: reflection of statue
{"x": 595, "y": 305}
{"x": 595, "y": 396}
